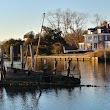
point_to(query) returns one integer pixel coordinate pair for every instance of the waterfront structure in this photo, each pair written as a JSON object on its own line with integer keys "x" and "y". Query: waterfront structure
{"x": 69, "y": 49}
{"x": 96, "y": 38}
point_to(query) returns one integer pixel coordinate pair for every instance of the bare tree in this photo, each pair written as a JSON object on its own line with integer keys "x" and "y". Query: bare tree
{"x": 69, "y": 22}
{"x": 78, "y": 20}
{"x": 77, "y": 25}
{"x": 66, "y": 20}
{"x": 54, "y": 18}
{"x": 97, "y": 20}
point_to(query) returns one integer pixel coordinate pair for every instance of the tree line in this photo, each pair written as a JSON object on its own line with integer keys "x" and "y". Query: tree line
{"x": 65, "y": 28}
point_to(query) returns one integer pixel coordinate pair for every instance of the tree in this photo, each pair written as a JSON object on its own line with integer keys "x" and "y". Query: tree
{"x": 72, "y": 40}
{"x": 49, "y": 38}
{"x": 54, "y": 18}
{"x": 97, "y": 20}
{"x": 69, "y": 22}
{"x": 15, "y": 43}
{"x": 29, "y": 37}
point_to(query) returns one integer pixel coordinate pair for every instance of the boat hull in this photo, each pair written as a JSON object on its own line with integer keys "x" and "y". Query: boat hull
{"x": 16, "y": 76}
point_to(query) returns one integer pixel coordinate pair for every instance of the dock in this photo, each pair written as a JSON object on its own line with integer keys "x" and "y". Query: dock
{"x": 78, "y": 57}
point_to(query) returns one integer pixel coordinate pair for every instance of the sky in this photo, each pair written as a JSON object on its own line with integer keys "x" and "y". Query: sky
{"x": 17, "y": 17}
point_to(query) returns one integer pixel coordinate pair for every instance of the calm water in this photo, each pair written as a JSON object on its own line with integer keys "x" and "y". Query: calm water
{"x": 84, "y": 98}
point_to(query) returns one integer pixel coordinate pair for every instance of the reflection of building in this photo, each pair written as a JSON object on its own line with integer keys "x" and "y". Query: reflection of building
{"x": 96, "y": 38}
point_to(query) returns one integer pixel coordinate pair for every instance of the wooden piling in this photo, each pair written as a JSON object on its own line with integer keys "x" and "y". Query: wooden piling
{"x": 68, "y": 67}
{"x": 45, "y": 64}
{"x": 32, "y": 56}
{"x": 1, "y": 56}
{"x": 55, "y": 66}
{"x": 22, "y": 56}
{"x": 11, "y": 55}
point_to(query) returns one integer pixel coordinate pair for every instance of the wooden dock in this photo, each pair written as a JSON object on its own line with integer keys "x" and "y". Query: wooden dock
{"x": 72, "y": 57}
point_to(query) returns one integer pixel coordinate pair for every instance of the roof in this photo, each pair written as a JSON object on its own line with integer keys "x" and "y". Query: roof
{"x": 70, "y": 47}
{"x": 104, "y": 29}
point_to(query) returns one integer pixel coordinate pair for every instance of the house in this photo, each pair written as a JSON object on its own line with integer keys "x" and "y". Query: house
{"x": 96, "y": 38}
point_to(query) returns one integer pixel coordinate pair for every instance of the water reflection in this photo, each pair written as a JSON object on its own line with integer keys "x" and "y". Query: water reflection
{"x": 63, "y": 98}
{"x": 19, "y": 98}
{"x": 91, "y": 72}
{"x": 32, "y": 98}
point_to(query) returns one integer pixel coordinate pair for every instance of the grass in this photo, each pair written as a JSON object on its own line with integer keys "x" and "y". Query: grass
{"x": 101, "y": 53}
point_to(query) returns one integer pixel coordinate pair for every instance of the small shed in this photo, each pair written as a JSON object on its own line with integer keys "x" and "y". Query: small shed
{"x": 69, "y": 49}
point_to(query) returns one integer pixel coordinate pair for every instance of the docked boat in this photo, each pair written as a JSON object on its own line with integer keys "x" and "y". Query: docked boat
{"x": 22, "y": 76}
{"x": 41, "y": 77}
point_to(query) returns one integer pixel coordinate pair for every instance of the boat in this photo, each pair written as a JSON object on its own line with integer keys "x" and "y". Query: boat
{"x": 16, "y": 77}
{"x": 21, "y": 76}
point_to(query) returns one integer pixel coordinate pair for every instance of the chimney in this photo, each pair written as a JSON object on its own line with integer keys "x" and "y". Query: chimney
{"x": 89, "y": 32}
{"x": 99, "y": 31}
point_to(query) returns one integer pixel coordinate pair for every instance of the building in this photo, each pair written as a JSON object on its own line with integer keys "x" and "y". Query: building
{"x": 96, "y": 38}
{"x": 69, "y": 49}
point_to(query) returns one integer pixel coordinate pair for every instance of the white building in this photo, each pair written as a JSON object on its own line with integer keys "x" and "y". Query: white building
{"x": 96, "y": 38}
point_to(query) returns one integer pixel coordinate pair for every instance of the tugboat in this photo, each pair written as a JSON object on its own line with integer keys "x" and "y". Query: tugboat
{"x": 21, "y": 76}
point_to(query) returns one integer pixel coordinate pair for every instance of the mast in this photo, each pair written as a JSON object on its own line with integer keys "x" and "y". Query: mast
{"x": 37, "y": 51}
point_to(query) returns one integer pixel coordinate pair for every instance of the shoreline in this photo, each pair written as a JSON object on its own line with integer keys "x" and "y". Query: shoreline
{"x": 77, "y": 57}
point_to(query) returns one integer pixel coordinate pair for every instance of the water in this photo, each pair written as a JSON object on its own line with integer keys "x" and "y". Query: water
{"x": 84, "y": 98}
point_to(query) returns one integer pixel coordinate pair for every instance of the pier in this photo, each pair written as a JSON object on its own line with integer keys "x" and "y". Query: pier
{"x": 72, "y": 57}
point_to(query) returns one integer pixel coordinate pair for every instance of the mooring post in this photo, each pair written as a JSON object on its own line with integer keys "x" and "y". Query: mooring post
{"x": 79, "y": 75}
{"x": 1, "y": 57}
{"x": 55, "y": 66}
{"x": 68, "y": 67}
{"x": 32, "y": 56}
{"x": 46, "y": 77}
{"x": 45, "y": 65}
{"x": 2, "y": 72}
{"x": 11, "y": 55}
{"x": 22, "y": 56}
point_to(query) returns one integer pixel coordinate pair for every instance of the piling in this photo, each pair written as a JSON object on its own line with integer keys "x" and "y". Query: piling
{"x": 22, "y": 56}
{"x": 1, "y": 56}
{"x": 68, "y": 67}
{"x": 32, "y": 56}
{"x": 45, "y": 65}
{"x": 55, "y": 66}
{"x": 11, "y": 55}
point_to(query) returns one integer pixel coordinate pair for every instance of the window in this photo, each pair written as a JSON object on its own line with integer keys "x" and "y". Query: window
{"x": 95, "y": 45}
{"x": 95, "y": 37}
{"x": 107, "y": 45}
{"x": 90, "y": 38}
{"x": 100, "y": 37}
{"x": 105, "y": 37}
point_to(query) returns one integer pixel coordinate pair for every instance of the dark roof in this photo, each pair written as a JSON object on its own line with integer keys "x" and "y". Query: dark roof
{"x": 103, "y": 29}
{"x": 70, "y": 47}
